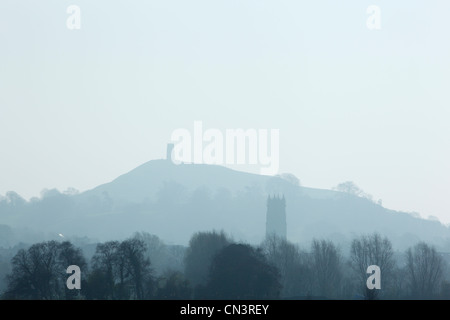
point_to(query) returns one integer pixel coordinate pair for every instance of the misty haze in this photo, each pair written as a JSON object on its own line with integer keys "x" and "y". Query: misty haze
{"x": 246, "y": 150}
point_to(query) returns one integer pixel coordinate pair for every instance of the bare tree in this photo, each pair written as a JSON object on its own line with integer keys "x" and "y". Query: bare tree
{"x": 326, "y": 264}
{"x": 40, "y": 271}
{"x": 121, "y": 270}
{"x": 371, "y": 250}
{"x": 69, "y": 255}
{"x": 292, "y": 264}
{"x": 136, "y": 265}
{"x": 424, "y": 269}
{"x": 174, "y": 286}
{"x": 105, "y": 264}
{"x": 163, "y": 257}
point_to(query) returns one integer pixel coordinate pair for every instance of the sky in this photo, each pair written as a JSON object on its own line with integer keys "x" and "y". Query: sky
{"x": 80, "y": 107}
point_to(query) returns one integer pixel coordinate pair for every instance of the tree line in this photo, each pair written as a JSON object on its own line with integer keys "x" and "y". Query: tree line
{"x": 217, "y": 267}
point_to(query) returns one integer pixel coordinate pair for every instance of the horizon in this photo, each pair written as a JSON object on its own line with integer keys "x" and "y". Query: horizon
{"x": 70, "y": 190}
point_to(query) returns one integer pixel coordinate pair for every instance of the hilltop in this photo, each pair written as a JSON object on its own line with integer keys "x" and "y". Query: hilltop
{"x": 174, "y": 201}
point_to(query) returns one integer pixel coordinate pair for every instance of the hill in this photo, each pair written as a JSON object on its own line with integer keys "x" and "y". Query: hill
{"x": 174, "y": 201}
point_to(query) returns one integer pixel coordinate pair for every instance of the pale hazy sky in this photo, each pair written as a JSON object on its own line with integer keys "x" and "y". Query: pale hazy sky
{"x": 80, "y": 107}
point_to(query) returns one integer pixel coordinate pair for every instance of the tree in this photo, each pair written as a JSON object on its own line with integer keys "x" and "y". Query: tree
{"x": 349, "y": 187}
{"x": 291, "y": 178}
{"x": 163, "y": 257}
{"x": 97, "y": 286}
{"x": 202, "y": 248}
{"x": 136, "y": 265}
{"x": 124, "y": 268}
{"x": 239, "y": 271}
{"x": 14, "y": 199}
{"x": 40, "y": 271}
{"x": 173, "y": 286}
{"x": 371, "y": 250}
{"x": 424, "y": 268}
{"x": 106, "y": 270}
{"x": 326, "y": 264}
{"x": 69, "y": 255}
{"x": 292, "y": 264}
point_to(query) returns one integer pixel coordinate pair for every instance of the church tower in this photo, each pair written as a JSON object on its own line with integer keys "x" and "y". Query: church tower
{"x": 276, "y": 217}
